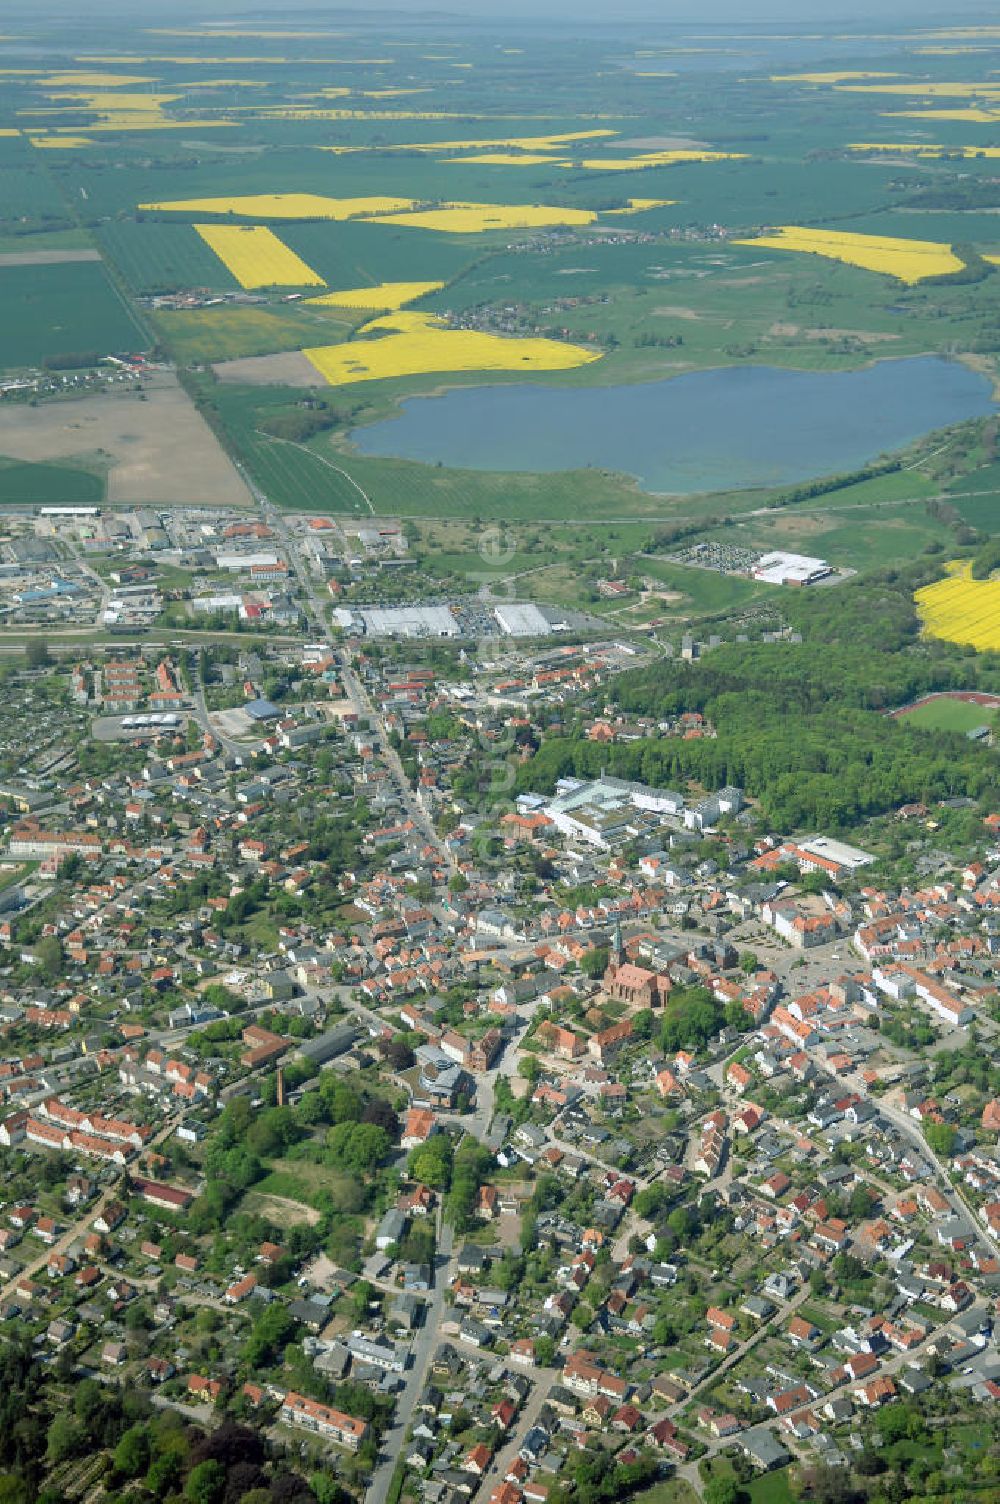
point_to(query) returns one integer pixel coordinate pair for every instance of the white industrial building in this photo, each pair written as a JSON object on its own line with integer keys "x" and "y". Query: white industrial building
{"x": 519, "y": 620}
{"x": 850, "y": 858}
{"x": 780, "y": 568}
{"x": 603, "y": 811}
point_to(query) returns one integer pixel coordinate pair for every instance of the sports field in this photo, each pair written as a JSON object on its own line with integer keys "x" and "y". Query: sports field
{"x": 950, "y": 713}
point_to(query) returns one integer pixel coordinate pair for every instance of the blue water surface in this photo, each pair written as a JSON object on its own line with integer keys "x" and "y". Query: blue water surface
{"x": 715, "y": 430}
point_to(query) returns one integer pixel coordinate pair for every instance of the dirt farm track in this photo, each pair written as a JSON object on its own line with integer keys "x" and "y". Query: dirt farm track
{"x": 156, "y": 448}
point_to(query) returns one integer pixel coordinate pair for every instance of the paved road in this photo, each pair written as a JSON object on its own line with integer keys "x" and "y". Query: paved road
{"x": 907, "y": 1127}
{"x": 780, "y": 1317}
{"x": 542, "y": 1380}
{"x": 204, "y": 719}
{"x": 76, "y": 1229}
{"x": 364, "y": 705}
{"x": 424, "y": 1347}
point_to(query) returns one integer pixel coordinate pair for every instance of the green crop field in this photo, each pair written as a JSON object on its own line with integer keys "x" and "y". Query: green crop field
{"x": 228, "y": 333}
{"x": 154, "y": 257}
{"x": 27, "y": 193}
{"x": 24, "y": 485}
{"x": 48, "y": 310}
{"x": 355, "y": 254}
{"x": 289, "y": 474}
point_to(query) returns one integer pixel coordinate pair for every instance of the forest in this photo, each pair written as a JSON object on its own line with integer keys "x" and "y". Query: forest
{"x": 802, "y": 725}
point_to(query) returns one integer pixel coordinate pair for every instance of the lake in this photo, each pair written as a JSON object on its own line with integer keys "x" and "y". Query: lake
{"x": 715, "y": 430}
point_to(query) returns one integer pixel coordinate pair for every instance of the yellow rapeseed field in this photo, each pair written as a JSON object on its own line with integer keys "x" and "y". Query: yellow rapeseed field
{"x": 473, "y": 219}
{"x": 60, "y": 143}
{"x": 417, "y": 344}
{"x": 928, "y": 90}
{"x": 9, "y": 131}
{"x": 509, "y": 159}
{"x": 257, "y": 258}
{"x": 658, "y": 159}
{"x": 976, "y": 116}
{"x": 115, "y": 122}
{"x": 640, "y": 205}
{"x": 961, "y": 609}
{"x": 843, "y": 76}
{"x": 909, "y": 260}
{"x": 122, "y": 103}
{"x": 387, "y": 296}
{"x": 83, "y": 80}
{"x": 924, "y": 149}
{"x": 283, "y": 206}
{"x": 224, "y": 83}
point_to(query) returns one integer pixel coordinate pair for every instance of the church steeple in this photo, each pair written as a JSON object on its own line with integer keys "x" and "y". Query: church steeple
{"x": 617, "y": 945}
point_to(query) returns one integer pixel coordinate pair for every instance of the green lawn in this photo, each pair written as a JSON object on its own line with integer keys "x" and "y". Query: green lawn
{"x": 769, "y": 1488}
{"x": 704, "y": 590}
{"x": 856, "y": 537}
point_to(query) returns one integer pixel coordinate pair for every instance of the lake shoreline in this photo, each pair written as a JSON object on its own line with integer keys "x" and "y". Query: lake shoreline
{"x": 861, "y": 420}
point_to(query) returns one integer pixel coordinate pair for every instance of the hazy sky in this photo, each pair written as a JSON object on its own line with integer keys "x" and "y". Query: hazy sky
{"x": 803, "y": 12}
{"x": 800, "y": 13}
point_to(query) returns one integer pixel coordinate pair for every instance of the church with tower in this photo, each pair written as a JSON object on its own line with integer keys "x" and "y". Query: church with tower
{"x": 633, "y": 985}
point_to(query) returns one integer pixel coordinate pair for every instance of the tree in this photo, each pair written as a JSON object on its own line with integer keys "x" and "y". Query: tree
{"x": 722, "y": 1491}
{"x": 380, "y": 1112}
{"x": 328, "y": 1490}
{"x": 530, "y": 1068}
{"x": 164, "y": 1474}
{"x": 431, "y": 1162}
{"x": 206, "y": 1483}
{"x": 65, "y": 1438}
{"x": 829, "y": 1485}
{"x": 36, "y": 653}
{"x": 271, "y": 1330}
{"x": 241, "y": 1479}
{"x": 940, "y": 1137}
{"x": 132, "y": 1453}
{"x": 357, "y": 1147}
{"x": 399, "y": 1055}
{"x": 595, "y": 963}
{"x": 545, "y": 1351}
{"x": 51, "y": 959}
